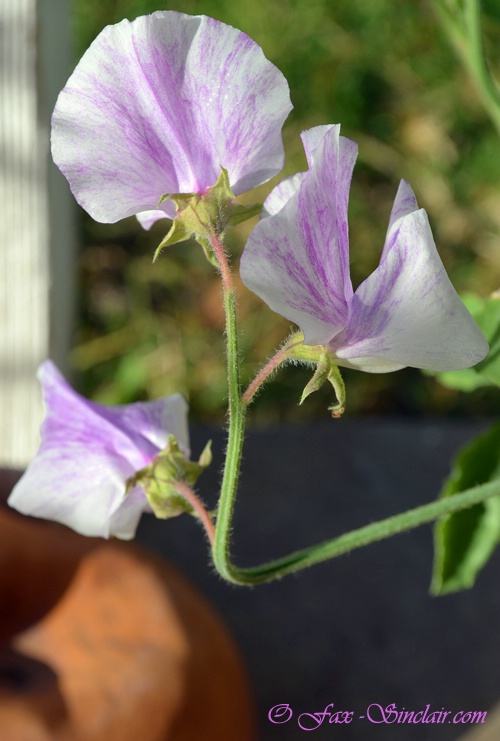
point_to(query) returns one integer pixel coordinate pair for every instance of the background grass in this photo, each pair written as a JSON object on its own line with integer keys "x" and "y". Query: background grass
{"x": 386, "y": 72}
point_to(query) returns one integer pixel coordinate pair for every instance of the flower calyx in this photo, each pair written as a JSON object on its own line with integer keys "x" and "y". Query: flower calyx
{"x": 326, "y": 371}
{"x": 161, "y": 478}
{"x": 201, "y": 215}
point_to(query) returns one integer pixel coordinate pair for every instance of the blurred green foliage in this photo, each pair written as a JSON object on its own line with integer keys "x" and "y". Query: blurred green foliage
{"x": 386, "y": 72}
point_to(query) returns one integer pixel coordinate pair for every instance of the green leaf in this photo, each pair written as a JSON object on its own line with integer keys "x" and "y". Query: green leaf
{"x": 486, "y": 312}
{"x": 466, "y": 380}
{"x": 465, "y": 541}
{"x": 489, "y": 321}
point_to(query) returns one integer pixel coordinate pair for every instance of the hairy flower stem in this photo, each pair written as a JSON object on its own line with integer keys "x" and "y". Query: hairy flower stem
{"x": 269, "y": 368}
{"x": 365, "y": 535}
{"x": 338, "y": 546}
{"x": 463, "y": 26}
{"x": 236, "y": 428}
{"x": 201, "y": 513}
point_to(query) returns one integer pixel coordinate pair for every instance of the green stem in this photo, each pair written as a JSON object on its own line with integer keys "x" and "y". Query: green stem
{"x": 323, "y": 551}
{"x": 272, "y": 365}
{"x": 364, "y": 536}
{"x": 236, "y": 428}
{"x": 199, "y": 510}
{"x": 466, "y": 37}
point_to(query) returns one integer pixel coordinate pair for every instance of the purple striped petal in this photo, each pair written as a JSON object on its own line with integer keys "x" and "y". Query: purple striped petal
{"x": 297, "y": 258}
{"x": 313, "y": 138}
{"x": 158, "y": 105}
{"x": 87, "y": 453}
{"x": 407, "y": 312}
{"x": 281, "y": 194}
{"x": 405, "y": 203}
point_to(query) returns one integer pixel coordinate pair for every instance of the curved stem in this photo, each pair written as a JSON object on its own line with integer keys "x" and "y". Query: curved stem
{"x": 364, "y": 536}
{"x": 188, "y": 494}
{"x": 269, "y": 368}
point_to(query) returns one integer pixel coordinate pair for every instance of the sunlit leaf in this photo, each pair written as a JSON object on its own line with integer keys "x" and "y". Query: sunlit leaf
{"x": 465, "y": 540}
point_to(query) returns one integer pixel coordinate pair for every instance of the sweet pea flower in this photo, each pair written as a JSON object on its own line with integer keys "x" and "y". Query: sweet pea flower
{"x": 88, "y": 452}
{"x": 406, "y": 313}
{"x": 157, "y": 106}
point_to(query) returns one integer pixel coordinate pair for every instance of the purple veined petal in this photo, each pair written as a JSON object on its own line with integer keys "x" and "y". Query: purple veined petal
{"x": 407, "y": 313}
{"x": 53, "y": 488}
{"x": 245, "y": 112}
{"x": 158, "y": 105}
{"x": 72, "y": 418}
{"x": 281, "y": 194}
{"x": 297, "y": 259}
{"x": 405, "y": 203}
{"x": 88, "y": 452}
{"x": 147, "y": 218}
{"x": 148, "y": 424}
{"x": 313, "y": 138}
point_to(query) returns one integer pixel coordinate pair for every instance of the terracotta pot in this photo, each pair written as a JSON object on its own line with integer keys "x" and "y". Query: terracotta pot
{"x": 100, "y": 641}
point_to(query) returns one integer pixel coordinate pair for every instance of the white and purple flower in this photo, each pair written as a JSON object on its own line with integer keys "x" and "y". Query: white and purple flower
{"x": 406, "y": 313}
{"x": 158, "y": 105}
{"x": 87, "y": 455}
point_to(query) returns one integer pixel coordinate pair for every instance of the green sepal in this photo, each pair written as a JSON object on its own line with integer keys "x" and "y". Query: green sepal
{"x": 178, "y": 233}
{"x": 296, "y": 350}
{"x": 239, "y": 213}
{"x": 326, "y": 370}
{"x": 159, "y": 479}
{"x": 464, "y": 541}
{"x": 178, "y": 198}
{"x": 200, "y": 215}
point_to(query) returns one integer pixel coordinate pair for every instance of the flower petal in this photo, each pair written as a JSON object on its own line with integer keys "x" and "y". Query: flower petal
{"x": 73, "y": 486}
{"x": 87, "y": 453}
{"x": 407, "y": 312}
{"x": 147, "y": 218}
{"x": 148, "y": 424}
{"x": 313, "y": 138}
{"x": 297, "y": 259}
{"x": 281, "y": 194}
{"x": 405, "y": 203}
{"x": 157, "y": 105}
{"x": 125, "y": 519}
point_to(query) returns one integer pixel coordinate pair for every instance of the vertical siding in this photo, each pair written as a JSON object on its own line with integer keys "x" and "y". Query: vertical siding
{"x": 33, "y": 324}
